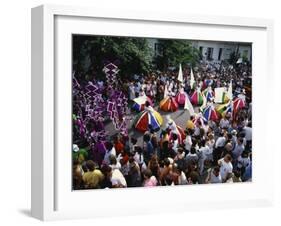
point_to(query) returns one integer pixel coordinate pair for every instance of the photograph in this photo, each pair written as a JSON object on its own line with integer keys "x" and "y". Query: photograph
{"x": 150, "y": 112}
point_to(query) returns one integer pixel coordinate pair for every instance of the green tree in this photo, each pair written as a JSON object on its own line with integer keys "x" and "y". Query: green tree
{"x": 90, "y": 53}
{"x": 174, "y": 52}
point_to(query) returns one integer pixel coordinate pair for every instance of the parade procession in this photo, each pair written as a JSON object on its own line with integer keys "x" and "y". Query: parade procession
{"x": 182, "y": 121}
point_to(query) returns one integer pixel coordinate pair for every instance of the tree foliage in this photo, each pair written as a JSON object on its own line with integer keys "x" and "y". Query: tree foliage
{"x": 174, "y": 52}
{"x": 132, "y": 55}
{"x": 91, "y": 53}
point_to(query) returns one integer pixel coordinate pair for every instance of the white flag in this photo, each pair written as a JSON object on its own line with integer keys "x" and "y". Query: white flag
{"x": 192, "y": 80}
{"x": 219, "y": 94}
{"x": 188, "y": 106}
{"x": 229, "y": 91}
{"x": 166, "y": 91}
{"x": 239, "y": 61}
{"x": 180, "y": 76}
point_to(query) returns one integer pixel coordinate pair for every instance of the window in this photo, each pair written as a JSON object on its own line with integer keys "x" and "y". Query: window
{"x": 210, "y": 53}
{"x": 220, "y": 53}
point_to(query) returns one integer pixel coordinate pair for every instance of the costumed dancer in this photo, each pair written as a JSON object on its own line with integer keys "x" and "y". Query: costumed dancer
{"x": 169, "y": 103}
{"x": 197, "y": 97}
{"x": 173, "y": 128}
{"x": 209, "y": 113}
{"x": 148, "y": 119}
{"x": 139, "y": 103}
{"x": 209, "y": 93}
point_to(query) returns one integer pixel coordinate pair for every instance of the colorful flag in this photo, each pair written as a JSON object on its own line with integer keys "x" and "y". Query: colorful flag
{"x": 223, "y": 109}
{"x": 210, "y": 113}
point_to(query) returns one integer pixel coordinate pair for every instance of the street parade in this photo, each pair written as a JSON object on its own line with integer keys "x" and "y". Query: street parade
{"x": 182, "y": 125}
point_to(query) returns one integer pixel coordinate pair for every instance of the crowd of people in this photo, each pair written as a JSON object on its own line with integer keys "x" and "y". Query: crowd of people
{"x": 208, "y": 152}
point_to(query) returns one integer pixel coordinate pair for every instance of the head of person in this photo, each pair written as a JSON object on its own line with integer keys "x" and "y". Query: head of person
{"x": 216, "y": 171}
{"x": 91, "y": 165}
{"x": 180, "y": 150}
{"x": 227, "y": 158}
{"x": 164, "y": 133}
{"x": 174, "y": 136}
{"x": 106, "y": 170}
{"x": 134, "y": 140}
{"x": 193, "y": 150}
{"x": 147, "y": 104}
{"x": 168, "y": 179}
{"x": 112, "y": 160}
{"x": 229, "y": 136}
{"x": 237, "y": 173}
{"x": 228, "y": 146}
{"x": 202, "y": 143}
{"x": 109, "y": 146}
{"x": 146, "y": 137}
{"x": 147, "y": 173}
{"x": 240, "y": 140}
{"x": 166, "y": 162}
{"x": 245, "y": 154}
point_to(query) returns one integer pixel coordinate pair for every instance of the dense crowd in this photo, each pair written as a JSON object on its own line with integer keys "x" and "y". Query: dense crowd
{"x": 211, "y": 152}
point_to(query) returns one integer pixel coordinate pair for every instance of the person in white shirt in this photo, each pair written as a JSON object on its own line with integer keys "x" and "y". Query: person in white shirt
{"x": 211, "y": 144}
{"x": 224, "y": 123}
{"x": 243, "y": 161}
{"x": 225, "y": 167}
{"x": 221, "y": 141}
{"x": 191, "y": 157}
{"x": 110, "y": 151}
{"x": 248, "y": 136}
{"x": 238, "y": 150}
{"x": 203, "y": 154}
{"x": 187, "y": 141}
{"x": 182, "y": 180}
{"x": 214, "y": 176}
{"x": 114, "y": 164}
{"x": 248, "y": 133}
{"x": 175, "y": 143}
{"x": 219, "y": 145}
{"x": 117, "y": 179}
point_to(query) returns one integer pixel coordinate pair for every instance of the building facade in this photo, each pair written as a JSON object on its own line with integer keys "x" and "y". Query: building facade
{"x": 213, "y": 51}
{"x": 218, "y": 51}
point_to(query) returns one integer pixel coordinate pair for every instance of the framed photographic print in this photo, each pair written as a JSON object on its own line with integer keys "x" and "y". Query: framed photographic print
{"x": 141, "y": 110}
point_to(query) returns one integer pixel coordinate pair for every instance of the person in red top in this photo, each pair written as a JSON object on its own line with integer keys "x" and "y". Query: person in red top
{"x": 118, "y": 144}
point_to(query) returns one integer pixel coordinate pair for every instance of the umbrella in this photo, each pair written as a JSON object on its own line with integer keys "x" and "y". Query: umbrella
{"x": 197, "y": 98}
{"x": 140, "y": 103}
{"x": 181, "y": 97}
{"x": 199, "y": 118}
{"x": 238, "y": 104}
{"x": 168, "y": 104}
{"x": 210, "y": 113}
{"x": 209, "y": 94}
{"x": 149, "y": 118}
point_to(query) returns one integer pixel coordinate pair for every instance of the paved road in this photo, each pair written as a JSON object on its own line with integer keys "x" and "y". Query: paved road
{"x": 180, "y": 117}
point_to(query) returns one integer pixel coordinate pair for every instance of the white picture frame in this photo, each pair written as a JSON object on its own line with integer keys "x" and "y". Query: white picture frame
{"x": 52, "y": 197}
